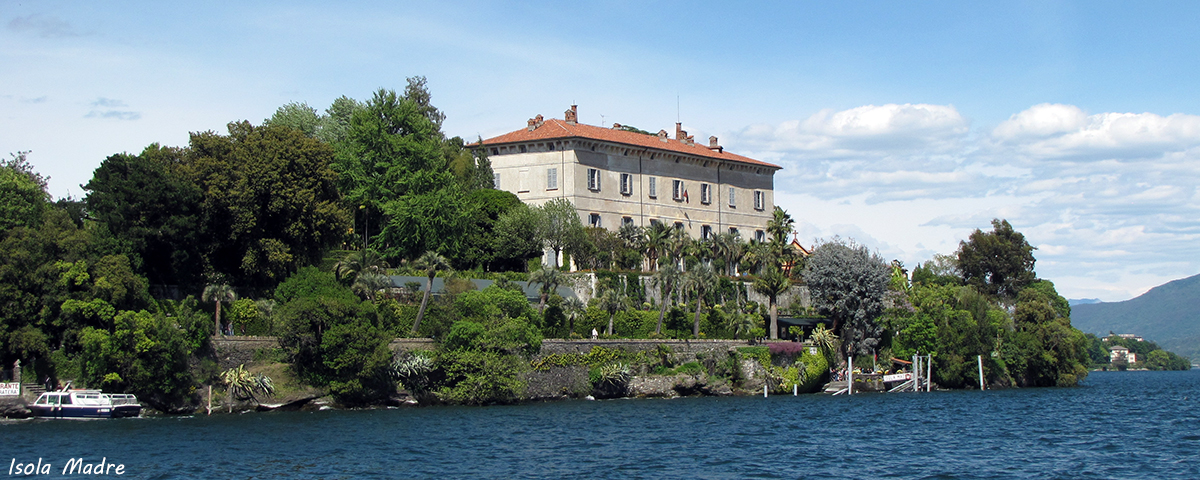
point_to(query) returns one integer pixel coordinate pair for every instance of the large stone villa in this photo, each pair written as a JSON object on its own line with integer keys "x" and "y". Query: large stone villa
{"x": 614, "y": 176}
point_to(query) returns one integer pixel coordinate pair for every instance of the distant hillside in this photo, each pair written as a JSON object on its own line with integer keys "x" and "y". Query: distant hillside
{"x": 1168, "y": 314}
{"x": 1082, "y": 301}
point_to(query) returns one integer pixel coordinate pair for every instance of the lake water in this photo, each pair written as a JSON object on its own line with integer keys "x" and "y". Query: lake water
{"x": 1117, "y": 425}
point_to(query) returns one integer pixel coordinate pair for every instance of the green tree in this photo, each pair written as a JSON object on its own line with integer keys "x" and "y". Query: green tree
{"x": 147, "y": 201}
{"x": 270, "y": 201}
{"x": 549, "y": 278}
{"x": 847, "y": 284}
{"x": 611, "y": 300}
{"x": 559, "y": 228}
{"x": 664, "y": 280}
{"x": 430, "y": 263}
{"x": 23, "y": 195}
{"x": 218, "y": 294}
{"x": 772, "y": 283}
{"x": 358, "y": 263}
{"x": 999, "y": 262}
{"x": 700, "y": 280}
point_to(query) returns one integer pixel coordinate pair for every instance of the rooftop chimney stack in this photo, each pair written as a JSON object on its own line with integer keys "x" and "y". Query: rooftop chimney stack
{"x": 572, "y": 115}
{"x": 680, "y": 134}
{"x": 713, "y": 145}
{"x": 616, "y": 126}
{"x": 662, "y": 135}
{"x": 532, "y": 124}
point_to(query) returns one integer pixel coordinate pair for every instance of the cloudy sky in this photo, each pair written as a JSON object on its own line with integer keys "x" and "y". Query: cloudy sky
{"x": 904, "y": 125}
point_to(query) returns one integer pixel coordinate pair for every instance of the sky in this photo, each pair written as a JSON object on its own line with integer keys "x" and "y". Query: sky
{"x": 902, "y": 125}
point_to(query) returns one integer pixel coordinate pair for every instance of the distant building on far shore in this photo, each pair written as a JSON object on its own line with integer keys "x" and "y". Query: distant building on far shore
{"x": 1119, "y": 354}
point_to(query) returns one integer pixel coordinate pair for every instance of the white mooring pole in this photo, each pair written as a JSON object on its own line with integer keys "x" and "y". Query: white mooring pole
{"x": 928, "y": 372}
{"x": 850, "y": 375}
{"x": 980, "y": 358}
{"x": 795, "y": 389}
{"x": 916, "y": 370}
{"x": 764, "y": 391}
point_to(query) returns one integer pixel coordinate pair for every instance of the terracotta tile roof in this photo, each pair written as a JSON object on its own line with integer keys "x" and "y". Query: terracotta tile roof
{"x": 553, "y": 129}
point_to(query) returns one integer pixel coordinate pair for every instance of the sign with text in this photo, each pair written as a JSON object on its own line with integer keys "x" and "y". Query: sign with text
{"x": 899, "y": 377}
{"x": 10, "y": 389}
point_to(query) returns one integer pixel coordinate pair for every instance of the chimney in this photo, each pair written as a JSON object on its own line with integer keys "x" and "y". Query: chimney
{"x": 616, "y": 126}
{"x": 691, "y": 140}
{"x": 662, "y": 135}
{"x": 712, "y": 145}
{"x": 680, "y": 134}
{"x": 572, "y": 115}
{"x": 532, "y": 124}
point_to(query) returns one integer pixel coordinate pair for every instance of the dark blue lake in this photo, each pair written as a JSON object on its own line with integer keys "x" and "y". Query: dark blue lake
{"x": 1118, "y": 425}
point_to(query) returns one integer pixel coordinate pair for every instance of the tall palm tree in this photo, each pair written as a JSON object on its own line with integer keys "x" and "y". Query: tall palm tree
{"x": 678, "y": 243}
{"x": 612, "y": 300}
{"x": 369, "y": 284}
{"x": 218, "y": 293}
{"x": 664, "y": 279}
{"x": 431, "y": 263}
{"x": 772, "y": 283}
{"x": 360, "y": 262}
{"x": 657, "y": 238}
{"x": 574, "y": 306}
{"x": 780, "y": 225}
{"x": 729, "y": 248}
{"x": 700, "y": 280}
{"x": 549, "y": 278}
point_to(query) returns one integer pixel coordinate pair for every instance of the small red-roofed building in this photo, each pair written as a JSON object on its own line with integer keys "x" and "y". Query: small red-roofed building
{"x": 616, "y": 176}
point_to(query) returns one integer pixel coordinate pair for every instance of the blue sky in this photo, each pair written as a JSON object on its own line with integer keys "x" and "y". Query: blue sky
{"x": 904, "y": 125}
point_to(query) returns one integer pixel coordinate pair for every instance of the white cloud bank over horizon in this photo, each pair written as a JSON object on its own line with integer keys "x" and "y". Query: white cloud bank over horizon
{"x": 1110, "y": 199}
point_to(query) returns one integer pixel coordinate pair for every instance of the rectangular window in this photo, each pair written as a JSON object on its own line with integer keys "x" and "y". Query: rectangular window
{"x": 653, "y": 187}
{"x": 594, "y": 220}
{"x": 733, "y": 231}
{"x": 551, "y": 179}
{"x": 760, "y": 236}
{"x": 626, "y": 184}
{"x": 496, "y": 181}
{"x": 523, "y": 180}
{"x": 626, "y": 221}
{"x": 654, "y": 222}
{"x": 705, "y": 232}
{"x": 679, "y": 225}
{"x": 759, "y": 200}
{"x": 594, "y": 179}
{"x": 705, "y": 193}
{"x": 677, "y": 189}
{"x": 732, "y": 198}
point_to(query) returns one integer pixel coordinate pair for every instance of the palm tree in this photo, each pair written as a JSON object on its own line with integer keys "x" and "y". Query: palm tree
{"x": 656, "y": 242}
{"x": 611, "y": 301}
{"x": 664, "y": 279}
{"x": 549, "y": 278}
{"x": 699, "y": 280}
{"x": 368, "y": 284}
{"x": 218, "y": 293}
{"x": 573, "y": 306}
{"x": 729, "y": 248}
{"x": 742, "y": 323}
{"x": 431, "y": 263}
{"x": 824, "y": 338}
{"x": 780, "y": 225}
{"x": 360, "y": 262}
{"x": 772, "y": 283}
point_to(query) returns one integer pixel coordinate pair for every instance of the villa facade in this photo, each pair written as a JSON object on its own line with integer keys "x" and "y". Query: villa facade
{"x": 614, "y": 177}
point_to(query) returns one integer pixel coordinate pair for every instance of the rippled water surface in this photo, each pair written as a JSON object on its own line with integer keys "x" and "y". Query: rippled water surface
{"x": 1118, "y": 425}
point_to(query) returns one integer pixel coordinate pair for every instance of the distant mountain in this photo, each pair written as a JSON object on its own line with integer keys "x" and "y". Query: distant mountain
{"x": 1168, "y": 314}
{"x": 1082, "y": 301}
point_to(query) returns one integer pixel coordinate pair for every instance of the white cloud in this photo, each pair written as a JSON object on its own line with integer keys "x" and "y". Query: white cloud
{"x": 870, "y": 128}
{"x": 1053, "y": 131}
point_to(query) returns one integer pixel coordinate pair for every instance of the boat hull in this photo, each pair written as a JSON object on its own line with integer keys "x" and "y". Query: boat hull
{"x": 85, "y": 411}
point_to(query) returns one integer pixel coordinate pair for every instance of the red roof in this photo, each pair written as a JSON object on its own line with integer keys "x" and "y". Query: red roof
{"x": 554, "y": 128}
